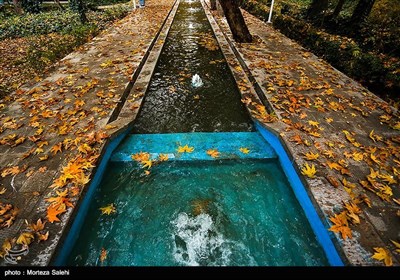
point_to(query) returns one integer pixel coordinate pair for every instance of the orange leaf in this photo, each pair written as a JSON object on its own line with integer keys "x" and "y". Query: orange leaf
{"x": 53, "y": 210}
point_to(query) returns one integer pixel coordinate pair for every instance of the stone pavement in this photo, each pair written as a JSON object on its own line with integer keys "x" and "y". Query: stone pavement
{"x": 53, "y": 134}
{"x": 327, "y": 120}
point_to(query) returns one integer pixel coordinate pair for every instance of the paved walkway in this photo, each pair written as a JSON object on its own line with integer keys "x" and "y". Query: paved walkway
{"x": 51, "y": 135}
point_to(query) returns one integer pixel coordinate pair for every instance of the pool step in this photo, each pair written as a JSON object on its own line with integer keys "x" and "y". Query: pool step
{"x": 228, "y": 145}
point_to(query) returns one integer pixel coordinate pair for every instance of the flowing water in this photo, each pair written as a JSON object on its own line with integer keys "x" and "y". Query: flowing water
{"x": 238, "y": 211}
{"x": 172, "y": 103}
{"x": 218, "y": 213}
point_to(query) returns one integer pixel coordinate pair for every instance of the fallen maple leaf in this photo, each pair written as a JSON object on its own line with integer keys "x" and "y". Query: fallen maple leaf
{"x": 141, "y": 156}
{"x": 147, "y": 163}
{"x": 309, "y": 170}
{"x": 38, "y": 226}
{"x": 397, "y": 244}
{"x": 185, "y": 149}
{"x": 25, "y": 238}
{"x": 2, "y": 191}
{"x": 341, "y": 225}
{"x": 313, "y": 123}
{"x": 53, "y": 210}
{"x": 103, "y": 255}
{"x": 213, "y": 153}
{"x": 244, "y": 150}
{"x": 311, "y": 156}
{"x": 42, "y": 237}
{"x": 108, "y": 210}
{"x": 163, "y": 157}
{"x": 381, "y": 254}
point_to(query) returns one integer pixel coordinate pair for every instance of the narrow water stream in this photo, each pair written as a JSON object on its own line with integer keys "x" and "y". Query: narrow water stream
{"x": 172, "y": 102}
{"x": 235, "y": 209}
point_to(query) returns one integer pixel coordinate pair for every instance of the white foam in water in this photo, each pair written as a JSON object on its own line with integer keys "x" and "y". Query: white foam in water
{"x": 198, "y": 242}
{"x": 196, "y": 81}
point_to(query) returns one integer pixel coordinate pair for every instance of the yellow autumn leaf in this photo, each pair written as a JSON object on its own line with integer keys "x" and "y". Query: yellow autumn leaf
{"x": 358, "y": 156}
{"x": 244, "y": 150}
{"x": 309, "y": 171}
{"x": 313, "y": 123}
{"x": 141, "y": 156}
{"x": 163, "y": 157}
{"x": 147, "y": 163}
{"x": 108, "y": 210}
{"x": 185, "y": 149}
{"x": 397, "y": 244}
{"x": 311, "y": 156}
{"x": 329, "y": 120}
{"x": 25, "y": 238}
{"x": 387, "y": 178}
{"x": 341, "y": 225}
{"x": 213, "y": 153}
{"x": 381, "y": 254}
{"x": 2, "y": 191}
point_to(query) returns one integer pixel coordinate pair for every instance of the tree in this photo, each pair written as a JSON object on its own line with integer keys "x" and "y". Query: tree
{"x": 338, "y": 9}
{"x": 236, "y": 21}
{"x": 17, "y": 6}
{"x": 213, "y": 5}
{"x": 32, "y": 6}
{"x": 79, "y": 7}
{"x": 317, "y": 9}
{"x": 361, "y": 12}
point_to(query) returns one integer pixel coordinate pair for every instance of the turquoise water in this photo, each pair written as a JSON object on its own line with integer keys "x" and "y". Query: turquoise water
{"x": 208, "y": 213}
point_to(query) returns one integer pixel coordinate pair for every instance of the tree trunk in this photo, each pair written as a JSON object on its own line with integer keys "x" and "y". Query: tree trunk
{"x": 362, "y": 11}
{"x": 17, "y": 6}
{"x": 317, "y": 9}
{"x": 236, "y": 21}
{"x": 79, "y": 7}
{"x": 338, "y": 9}
{"x": 213, "y": 5}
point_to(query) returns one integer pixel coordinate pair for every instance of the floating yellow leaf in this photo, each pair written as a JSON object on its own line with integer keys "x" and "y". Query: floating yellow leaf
{"x": 163, "y": 157}
{"x": 141, "y": 156}
{"x": 108, "y": 210}
{"x": 244, "y": 150}
{"x": 381, "y": 254}
{"x": 185, "y": 149}
{"x": 309, "y": 170}
{"x": 147, "y": 163}
{"x": 213, "y": 153}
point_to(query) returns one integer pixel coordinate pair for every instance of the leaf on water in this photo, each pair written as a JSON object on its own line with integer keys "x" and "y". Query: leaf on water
{"x": 309, "y": 171}
{"x": 382, "y": 254}
{"x": 163, "y": 157}
{"x": 185, "y": 149}
{"x": 244, "y": 150}
{"x": 103, "y": 255}
{"x": 213, "y": 153}
{"x": 108, "y": 210}
{"x": 141, "y": 156}
{"x": 147, "y": 164}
